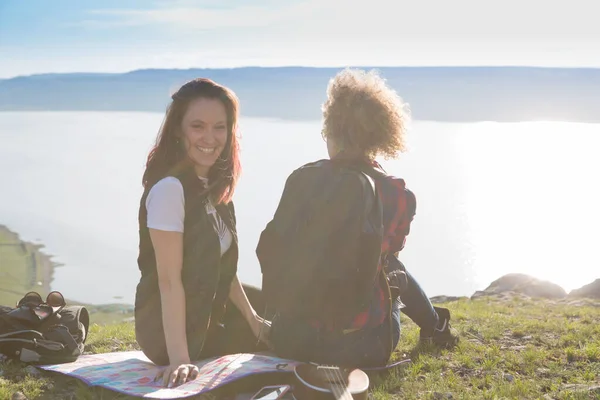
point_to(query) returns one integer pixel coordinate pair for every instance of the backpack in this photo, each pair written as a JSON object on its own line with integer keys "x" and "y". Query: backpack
{"x": 43, "y": 338}
{"x": 319, "y": 255}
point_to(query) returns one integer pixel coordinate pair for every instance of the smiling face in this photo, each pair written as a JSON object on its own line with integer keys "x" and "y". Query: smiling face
{"x": 204, "y": 132}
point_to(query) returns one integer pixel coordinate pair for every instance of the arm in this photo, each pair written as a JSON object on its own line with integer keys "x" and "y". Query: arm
{"x": 168, "y": 247}
{"x": 166, "y": 212}
{"x": 260, "y": 327}
{"x": 240, "y": 300}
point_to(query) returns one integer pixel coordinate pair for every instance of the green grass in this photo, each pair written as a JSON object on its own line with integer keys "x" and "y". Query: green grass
{"x": 515, "y": 349}
{"x": 17, "y": 275}
{"x": 511, "y": 348}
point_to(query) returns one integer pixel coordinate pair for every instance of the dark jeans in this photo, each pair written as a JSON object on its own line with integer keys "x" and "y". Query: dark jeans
{"x": 298, "y": 340}
{"x": 366, "y": 348}
{"x": 417, "y": 305}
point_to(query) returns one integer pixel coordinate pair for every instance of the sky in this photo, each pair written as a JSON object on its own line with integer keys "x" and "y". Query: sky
{"x": 40, "y": 36}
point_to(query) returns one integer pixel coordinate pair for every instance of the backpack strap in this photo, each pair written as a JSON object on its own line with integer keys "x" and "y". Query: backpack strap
{"x": 24, "y": 334}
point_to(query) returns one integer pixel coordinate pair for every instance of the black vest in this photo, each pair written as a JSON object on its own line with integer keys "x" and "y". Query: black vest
{"x": 206, "y": 276}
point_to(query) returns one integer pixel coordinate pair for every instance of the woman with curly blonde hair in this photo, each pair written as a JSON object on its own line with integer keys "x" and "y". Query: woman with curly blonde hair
{"x": 364, "y": 119}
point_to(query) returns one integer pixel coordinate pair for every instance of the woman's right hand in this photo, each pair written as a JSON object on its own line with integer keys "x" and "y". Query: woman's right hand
{"x": 177, "y": 374}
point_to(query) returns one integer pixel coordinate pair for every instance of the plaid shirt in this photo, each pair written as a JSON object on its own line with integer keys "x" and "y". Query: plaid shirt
{"x": 399, "y": 206}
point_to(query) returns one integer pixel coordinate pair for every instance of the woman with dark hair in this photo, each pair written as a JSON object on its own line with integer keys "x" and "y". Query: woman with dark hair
{"x": 187, "y": 227}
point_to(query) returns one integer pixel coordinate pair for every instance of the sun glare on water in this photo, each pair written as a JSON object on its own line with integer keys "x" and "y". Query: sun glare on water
{"x": 533, "y": 200}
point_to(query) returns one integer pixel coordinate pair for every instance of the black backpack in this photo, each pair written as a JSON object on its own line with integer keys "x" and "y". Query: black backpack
{"x": 320, "y": 252}
{"x": 53, "y": 338}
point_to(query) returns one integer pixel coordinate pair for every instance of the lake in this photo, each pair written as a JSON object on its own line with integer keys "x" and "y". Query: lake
{"x": 492, "y": 198}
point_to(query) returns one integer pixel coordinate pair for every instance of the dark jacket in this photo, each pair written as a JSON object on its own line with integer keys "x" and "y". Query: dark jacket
{"x": 206, "y": 276}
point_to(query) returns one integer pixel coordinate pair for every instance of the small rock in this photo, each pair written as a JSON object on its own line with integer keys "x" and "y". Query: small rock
{"x": 509, "y": 377}
{"x": 528, "y": 337}
{"x": 442, "y": 396}
{"x": 522, "y": 284}
{"x": 513, "y": 348}
{"x": 592, "y": 389}
{"x": 543, "y": 372}
{"x": 446, "y": 299}
{"x": 33, "y": 371}
{"x": 18, "y": 396}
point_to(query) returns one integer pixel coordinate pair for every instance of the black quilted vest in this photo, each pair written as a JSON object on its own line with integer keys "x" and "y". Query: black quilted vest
{"x": 206, "y": 276}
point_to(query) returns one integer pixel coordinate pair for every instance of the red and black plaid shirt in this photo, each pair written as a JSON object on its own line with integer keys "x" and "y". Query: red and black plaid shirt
{"x": 399, "y": 206}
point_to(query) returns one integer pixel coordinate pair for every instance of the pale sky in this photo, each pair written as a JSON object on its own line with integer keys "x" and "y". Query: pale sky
{"x": 38, "y": 36}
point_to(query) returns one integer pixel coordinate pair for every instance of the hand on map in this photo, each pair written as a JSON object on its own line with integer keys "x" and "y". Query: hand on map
{"x": 177, "y": 374}
{"x": 261, "y": 329}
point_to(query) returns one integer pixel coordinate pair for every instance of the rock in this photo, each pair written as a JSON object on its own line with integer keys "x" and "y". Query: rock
{"x": 513, "y": 348}
{"x": 509, "y": 378}
{"x": 591, "y": 290}
{"x": 33, "y": 371}
{"x": 523, "y": 285}
{"x": 18, "y": 396}
{"x": 442, "y": 396}
{"x": 577, "y": 387}
{"x": 446, "y": 299}
{"x": 584, "y": 303}
{"x": 543, "y": 372}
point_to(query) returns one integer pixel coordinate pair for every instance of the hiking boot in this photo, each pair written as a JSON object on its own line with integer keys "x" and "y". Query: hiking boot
{"x": 443, "y": 335}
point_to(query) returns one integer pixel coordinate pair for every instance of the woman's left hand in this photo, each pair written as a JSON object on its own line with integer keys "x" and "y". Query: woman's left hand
{"x": 261, "y": 329}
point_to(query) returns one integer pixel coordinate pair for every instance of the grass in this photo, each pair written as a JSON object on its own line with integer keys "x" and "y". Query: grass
{"x": 20, "y": 268}
{"x": 512, "y": 348}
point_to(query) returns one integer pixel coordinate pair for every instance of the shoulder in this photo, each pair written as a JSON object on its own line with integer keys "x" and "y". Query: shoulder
{"x": 165, "y": 205}
{"x": 393, "y": 190}
{"x": 167, "y": 184}
{"x": 165, "y": 189}
{"x": 311, "y": 166}
{"x": 231, "y": 208}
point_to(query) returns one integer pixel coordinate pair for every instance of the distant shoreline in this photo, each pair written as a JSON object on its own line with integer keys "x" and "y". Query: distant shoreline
{"x": 442, "y": 94}
{"x": 311, "y": 120}
{"x": 43, "y": 265}
{"x": 14, "y": 281}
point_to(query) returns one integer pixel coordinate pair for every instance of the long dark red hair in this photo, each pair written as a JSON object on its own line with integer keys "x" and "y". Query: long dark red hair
{"x": 168, "y": 157}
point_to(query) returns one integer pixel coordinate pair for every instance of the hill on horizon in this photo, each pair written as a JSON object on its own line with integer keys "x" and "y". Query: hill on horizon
{"x": 448, "y": 94}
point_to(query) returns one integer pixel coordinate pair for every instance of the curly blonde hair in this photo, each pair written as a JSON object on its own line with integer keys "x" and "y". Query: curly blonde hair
{"x": 362, "y": 114}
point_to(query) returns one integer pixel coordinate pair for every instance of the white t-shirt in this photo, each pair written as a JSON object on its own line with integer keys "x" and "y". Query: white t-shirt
{"x": 165, "y": 205}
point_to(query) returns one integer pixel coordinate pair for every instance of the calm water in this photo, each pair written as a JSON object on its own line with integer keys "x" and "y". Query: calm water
{"x": 492, "y": 198}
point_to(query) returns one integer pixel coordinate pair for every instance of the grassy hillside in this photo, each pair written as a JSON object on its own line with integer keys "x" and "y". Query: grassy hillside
{"x": 511, "y": 348}
{"x": 24, "y": 268}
